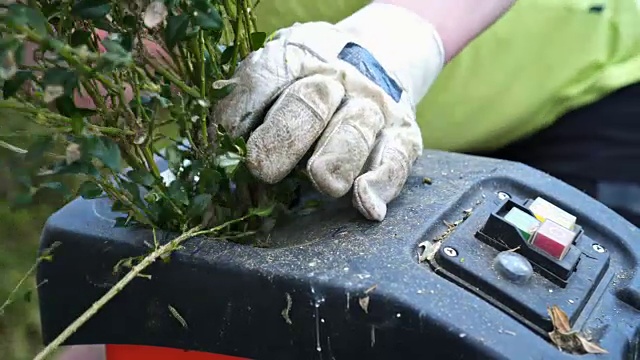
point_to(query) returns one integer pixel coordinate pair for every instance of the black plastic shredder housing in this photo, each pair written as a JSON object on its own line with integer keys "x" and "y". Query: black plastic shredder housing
{"x": 336, "y": 286}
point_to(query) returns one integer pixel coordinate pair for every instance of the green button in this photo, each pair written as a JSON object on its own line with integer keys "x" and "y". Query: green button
{"x": 525, "y": 223}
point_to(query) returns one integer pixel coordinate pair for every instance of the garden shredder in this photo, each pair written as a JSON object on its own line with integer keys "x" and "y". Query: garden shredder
{"x": 470, "y": 263}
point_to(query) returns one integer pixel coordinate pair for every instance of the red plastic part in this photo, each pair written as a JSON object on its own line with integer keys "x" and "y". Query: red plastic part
{"x": 140, "y": 352}
{"x": 553, "y": 239}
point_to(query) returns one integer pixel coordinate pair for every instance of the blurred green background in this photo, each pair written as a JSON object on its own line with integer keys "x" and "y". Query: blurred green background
{"x": 19, "y": 235}
{"x": 19, "y": 326}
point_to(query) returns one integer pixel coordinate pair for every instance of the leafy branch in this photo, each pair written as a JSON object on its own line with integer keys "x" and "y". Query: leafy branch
{"x": 120, "y": 85}
{"x": 111, "y": 88}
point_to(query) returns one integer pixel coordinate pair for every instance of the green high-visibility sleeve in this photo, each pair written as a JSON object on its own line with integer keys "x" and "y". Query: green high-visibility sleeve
{"x": 541, "y": 60}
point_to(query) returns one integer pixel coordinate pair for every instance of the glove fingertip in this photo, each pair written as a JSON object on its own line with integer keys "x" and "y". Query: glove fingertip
{"x": 261, "y": 165}
{"x": 370, "y": 205}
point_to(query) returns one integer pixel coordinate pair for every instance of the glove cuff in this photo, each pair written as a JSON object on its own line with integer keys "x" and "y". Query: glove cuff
{"x": 406, "y": 45}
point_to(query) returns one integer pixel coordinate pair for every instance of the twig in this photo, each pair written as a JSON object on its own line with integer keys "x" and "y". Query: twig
{"x": 13, "y": 292}
{"x": 173, "y": 78}
{"x": 132, "y": 274}
{"x": 13, "y": 148}
{"x": 26, "y": 276}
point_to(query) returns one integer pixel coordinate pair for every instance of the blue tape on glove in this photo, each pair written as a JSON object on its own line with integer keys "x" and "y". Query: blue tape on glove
{"x": 362, "y": 60}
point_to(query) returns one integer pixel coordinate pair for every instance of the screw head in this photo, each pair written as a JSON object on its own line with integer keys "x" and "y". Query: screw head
{"x": 598, "y": 248}
{"x": 449, "y": 251}
{"x": 503, "y": 195}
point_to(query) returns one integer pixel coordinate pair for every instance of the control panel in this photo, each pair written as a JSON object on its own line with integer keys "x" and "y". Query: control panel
{"x": 525, "y": 256}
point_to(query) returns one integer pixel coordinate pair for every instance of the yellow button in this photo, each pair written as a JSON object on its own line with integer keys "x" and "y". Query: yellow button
{"x": 544, "y": 210}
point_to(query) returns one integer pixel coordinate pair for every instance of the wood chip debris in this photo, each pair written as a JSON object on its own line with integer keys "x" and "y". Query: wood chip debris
{"x": 177, "y": 316}
{"x": 430, "y": 248}
{"x": 285, "y": 312}
{"x": 364, "y": 301}
{"x": 569, "y": 340}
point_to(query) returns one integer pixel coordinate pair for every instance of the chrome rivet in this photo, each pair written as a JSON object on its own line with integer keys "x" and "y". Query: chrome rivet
{"x": 503, "y": 195}
{"x": 449, "y": 251}
{"x": 598, "y": 248}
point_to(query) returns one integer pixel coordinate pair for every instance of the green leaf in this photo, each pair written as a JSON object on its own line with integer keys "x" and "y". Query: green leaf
{"x": 80, "y": 37}
{"x": 104, "y": 149}
{"x": 174, "y": 157}
{"x": 126, "y": 41}
{"x": 67, "y": 107}
{"x": 53, "y": 185}
{"x": 209, "y": 20}
{"x": 199, "y": 205}
{"x": 262, "y": 211}
{"x": 171, "y": 4}
{"x": 111, "y": 61}
{"x": 113, "y": 44}
{"x": 91, "y": 9}
{"x": 178, "y": 193}
{"x": 78, "y": 167}
{"x": 14, "y": 84}
{"x": 121, "y": 222}
{"x": 141, "y": 177}
{"x": 58, "y": 76}
{"x": 227, "y": 55}
{"x": 118, "y": 52}
{"x": 50, "y": 8}
{"x": 134, "y": 190}
{"x": 130, "y": 22}
{"x": 109, "y": 154}
{"x": 36, "y": 150}
{"x": 209, "y": 181}
{"x": 202, "y": 5}
{"x": 89, "y": 190}
{"x": 118, "y": 206}
{"x": 223, "y": 91}
{"x": 241, "y": 146}
{"x": 257, "y": 40}
{"x": 23, "y": 15}
{"x": 9, "y": 43}
{"x": 104, "y": 24}
{"x": 160, "y": 100}
{"x": 176, "y": 30}
{"x": 229, "y": 161}
{"x": 19, "y": 53}
{"x": 77, "y": 125}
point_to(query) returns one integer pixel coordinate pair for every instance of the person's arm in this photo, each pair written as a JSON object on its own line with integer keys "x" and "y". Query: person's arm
{"x": 457, "y": 21}
{"x": 414, "y": 39}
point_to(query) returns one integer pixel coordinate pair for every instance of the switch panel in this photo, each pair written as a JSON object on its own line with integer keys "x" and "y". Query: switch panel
{"x": 526, "y": 255}
{"x": 511, "y": 226}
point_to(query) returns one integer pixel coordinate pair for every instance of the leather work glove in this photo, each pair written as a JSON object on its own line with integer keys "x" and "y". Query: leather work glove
{"x": 351, "y": 89}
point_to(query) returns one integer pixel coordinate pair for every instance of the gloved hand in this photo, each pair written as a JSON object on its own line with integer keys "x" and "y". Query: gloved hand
{"x": 350, "y": 88}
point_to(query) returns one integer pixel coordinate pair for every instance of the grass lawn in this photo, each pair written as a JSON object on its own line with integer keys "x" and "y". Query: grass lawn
{"x": 19, "y": 236}
{"x": 20, "y": 324}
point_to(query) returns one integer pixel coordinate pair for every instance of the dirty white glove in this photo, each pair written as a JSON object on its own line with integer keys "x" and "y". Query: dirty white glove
{"x": 351, "y": 89}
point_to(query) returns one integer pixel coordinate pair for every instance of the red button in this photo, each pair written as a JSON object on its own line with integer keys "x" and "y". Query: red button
{"x": 553, "y": 239}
